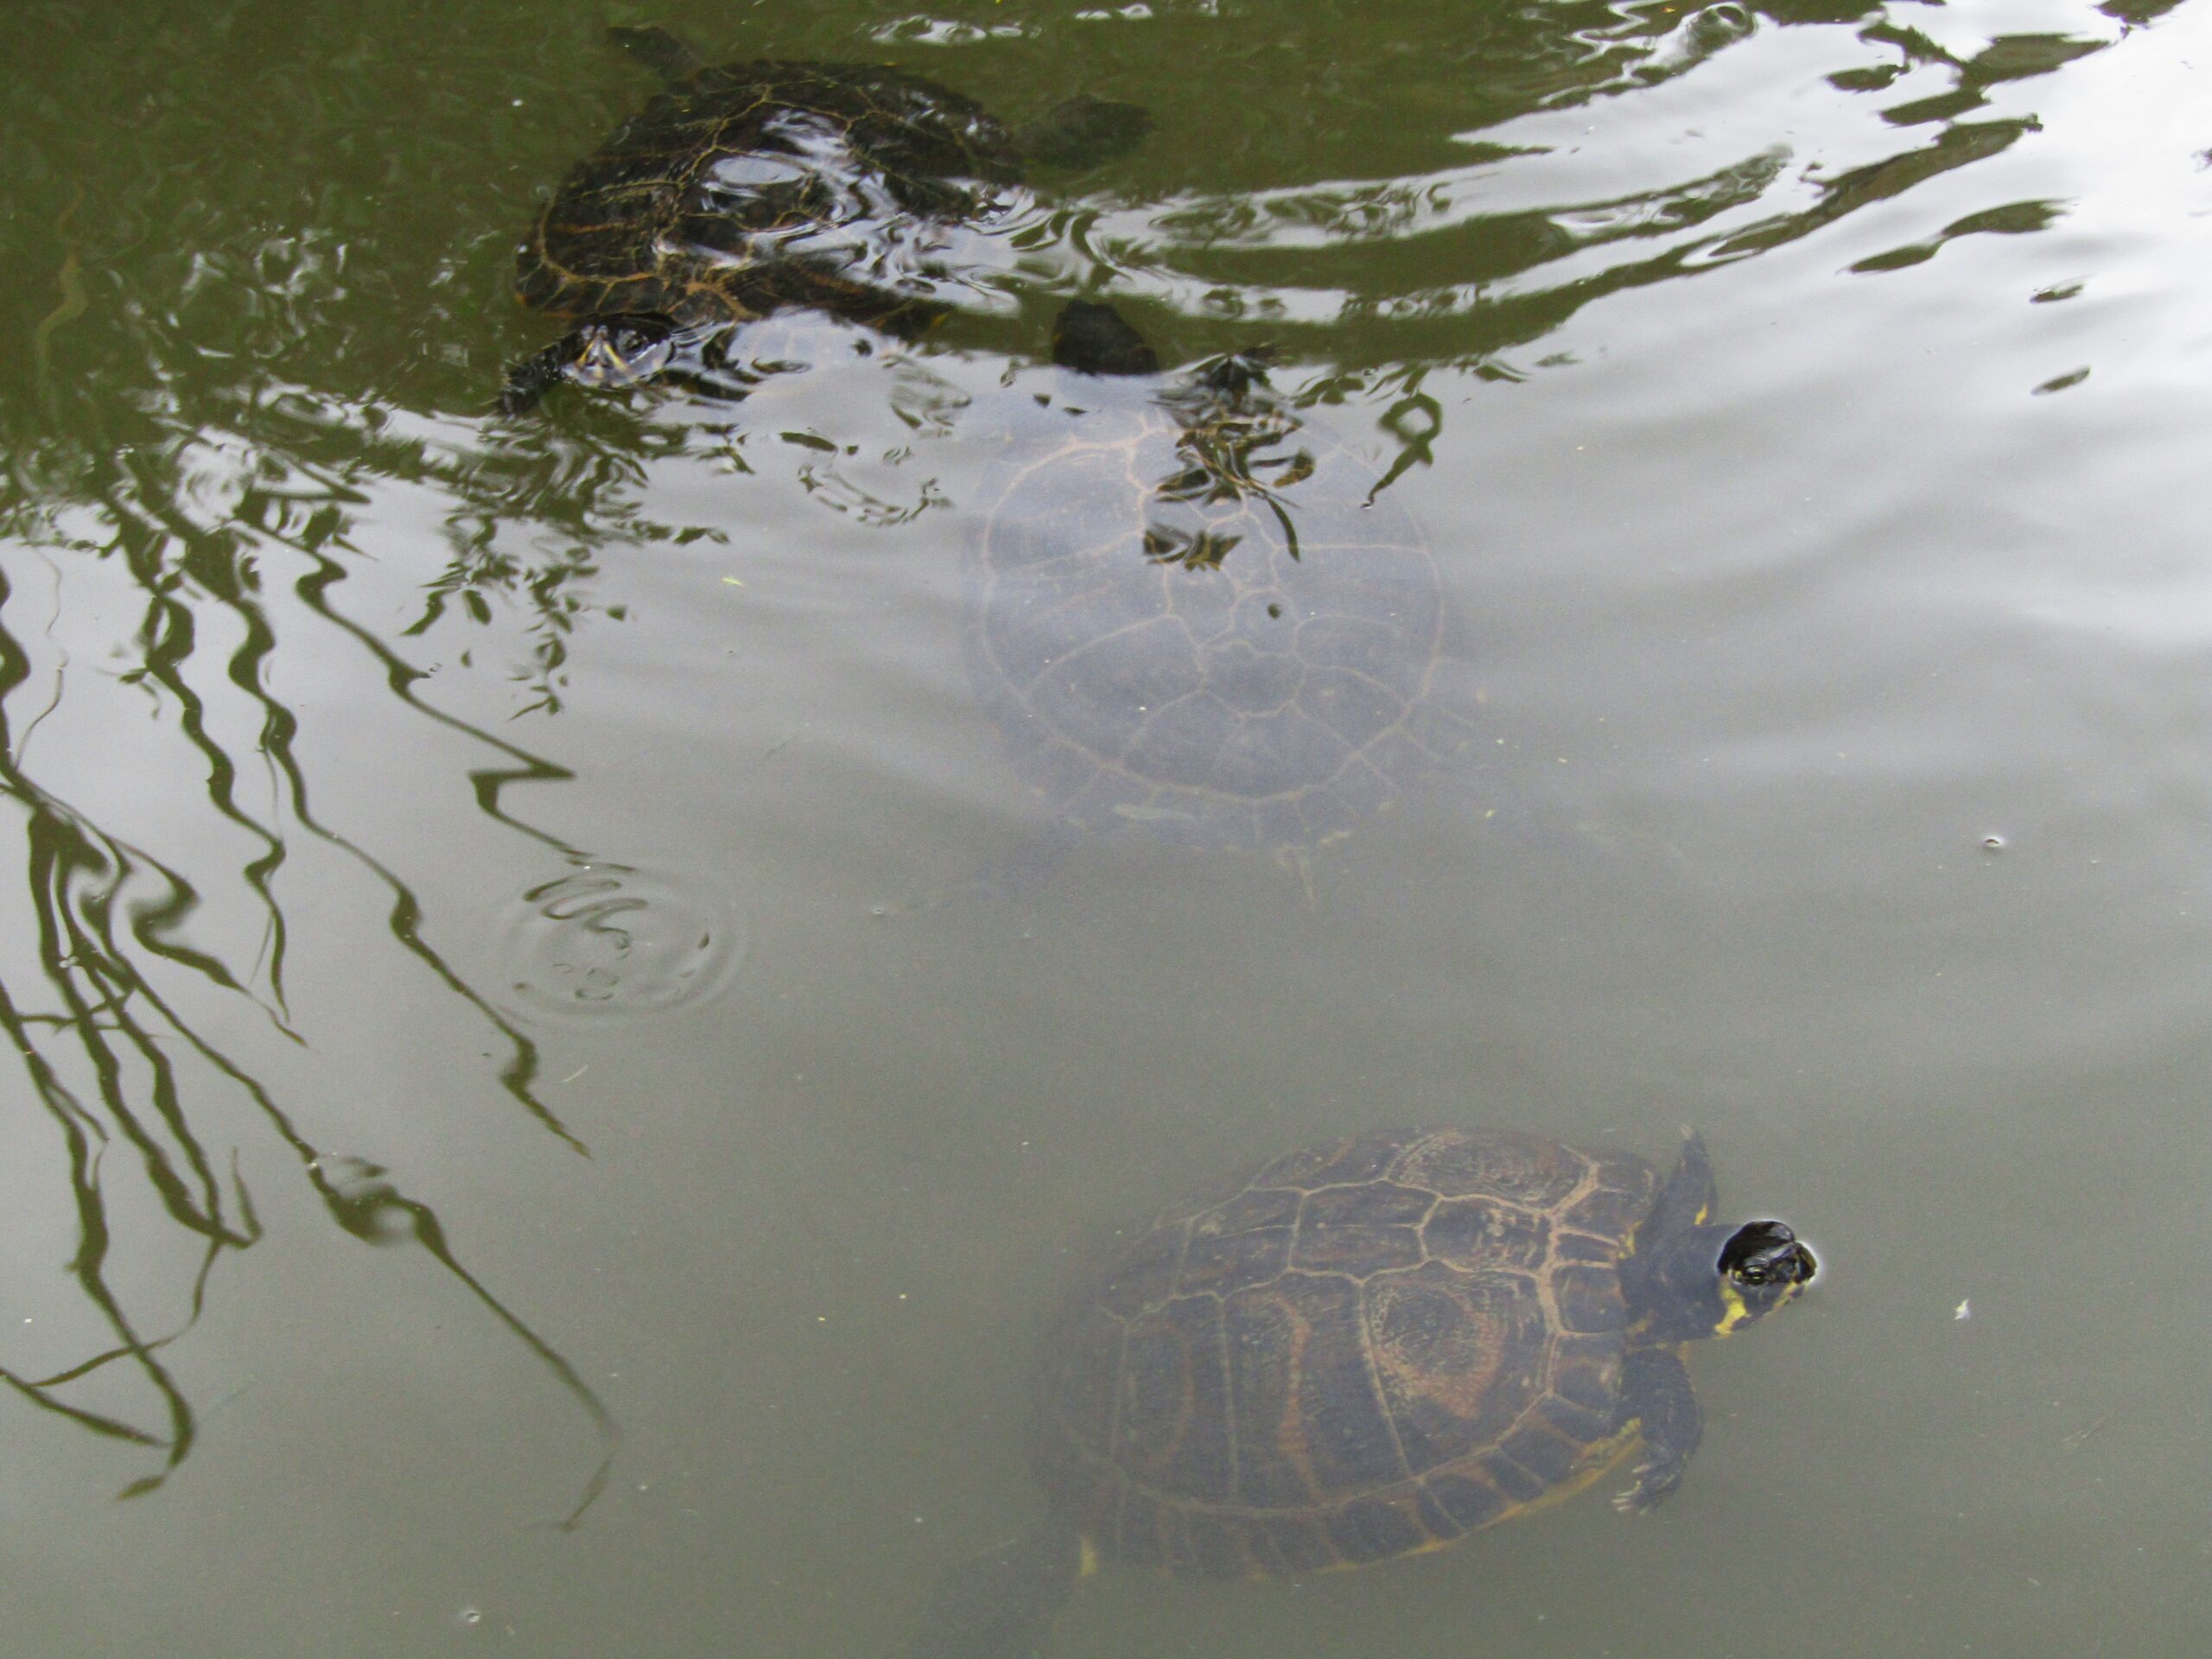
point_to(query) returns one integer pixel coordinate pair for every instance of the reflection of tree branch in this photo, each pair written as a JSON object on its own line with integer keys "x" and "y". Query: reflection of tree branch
{"x": 372, "y": 1210}
{"x": 120, "y": 1026}
{"x": 37, "y": 1395}
{"x": 168, "y": 637}
{"x": 81, "y": 1134}
{"x": 521, "y": 1067}
{"x": 70, "y": 279}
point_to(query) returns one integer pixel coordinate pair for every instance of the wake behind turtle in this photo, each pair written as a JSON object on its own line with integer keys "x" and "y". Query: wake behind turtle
{"x": 744, "y": 188}
{"x": 1192, "y": 614}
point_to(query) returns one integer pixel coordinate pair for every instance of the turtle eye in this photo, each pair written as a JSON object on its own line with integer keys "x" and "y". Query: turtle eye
{"x": 1762, "y": 1252}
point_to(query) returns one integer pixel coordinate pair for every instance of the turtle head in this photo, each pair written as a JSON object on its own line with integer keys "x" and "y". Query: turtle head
{"x": 620, "y": 351}
{"x": 1686, "y": 1278}
{"x": 1761, "y": 1266}
{"x": 1712, "y": 1282}
{"x": 614, "y": 350}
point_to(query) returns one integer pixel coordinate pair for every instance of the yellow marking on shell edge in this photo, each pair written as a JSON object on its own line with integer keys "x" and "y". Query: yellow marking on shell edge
{"x": 1087, "y": 1557}
{"x": 1737, "y": 1314}
{"x": 1604, "y": 1456}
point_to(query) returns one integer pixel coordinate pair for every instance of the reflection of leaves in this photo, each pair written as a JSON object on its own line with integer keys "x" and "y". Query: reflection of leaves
{"x": 2138, "y": 13}
{"x": 104, "y": 1027}
{"x": 1956, "y": 147}
{"x": 828, "y": 485}
{"x": 549, "y": 592}
{"x": 1230, "y": 450}
{"x": 2016, "y": 57}
{"x": 2015, "y": 219}
{"x": 1415, "y": 420}
{"x": 1193, "y": 549}
{"x": 1461, "y": 260}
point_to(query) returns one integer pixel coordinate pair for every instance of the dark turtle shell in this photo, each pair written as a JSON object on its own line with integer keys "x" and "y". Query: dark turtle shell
{"x": 746, "y": 186}
{"x": 1369, "y": 1348}
{"x": 1196, "y": 615}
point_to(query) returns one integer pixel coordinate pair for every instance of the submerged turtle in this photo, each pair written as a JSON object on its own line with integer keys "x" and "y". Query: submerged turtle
{"x": 1368, "y": 1348}
{"x": 1192, "y": 612}
{"x": 747, "y": 187}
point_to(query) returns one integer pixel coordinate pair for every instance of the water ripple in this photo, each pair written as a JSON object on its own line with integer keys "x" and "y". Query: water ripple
{"x": 608, "y": 938}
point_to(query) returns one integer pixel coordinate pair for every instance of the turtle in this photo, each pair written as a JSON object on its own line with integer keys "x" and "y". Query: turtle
{"x": 1365, "y": 1349}
{"x": 1192, "y": 612}
{"x": 745, "y": 188}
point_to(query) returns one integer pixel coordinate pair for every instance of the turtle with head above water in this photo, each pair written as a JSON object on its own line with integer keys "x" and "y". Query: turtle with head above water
{"x": 743, "y": 188}
{"x": 1364, "y": 1349}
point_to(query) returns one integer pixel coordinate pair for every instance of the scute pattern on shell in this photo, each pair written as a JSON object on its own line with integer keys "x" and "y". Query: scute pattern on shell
{"x": 750, "y": 186}
{"x": 1372, "y": 1346}
{"x": 1264, "y": 694}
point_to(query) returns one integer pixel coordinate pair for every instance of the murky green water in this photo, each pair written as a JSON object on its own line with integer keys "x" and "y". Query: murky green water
{"x": 532, "y": 962}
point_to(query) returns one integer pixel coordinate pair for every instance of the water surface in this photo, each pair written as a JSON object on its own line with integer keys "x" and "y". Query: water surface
{"x": 561, "y": 1064}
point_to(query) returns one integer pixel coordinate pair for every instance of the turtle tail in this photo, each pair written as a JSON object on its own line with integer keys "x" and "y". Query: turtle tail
{"x": 1000, "y": 1604}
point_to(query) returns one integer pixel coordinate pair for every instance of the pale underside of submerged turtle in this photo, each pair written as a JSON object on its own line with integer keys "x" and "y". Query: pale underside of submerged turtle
{"x": 1191, "y": 614}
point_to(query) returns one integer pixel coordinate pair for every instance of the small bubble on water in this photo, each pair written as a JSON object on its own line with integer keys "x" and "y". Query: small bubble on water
{"x": 1993, "y": 843}
{"x": 472, "y": 1615}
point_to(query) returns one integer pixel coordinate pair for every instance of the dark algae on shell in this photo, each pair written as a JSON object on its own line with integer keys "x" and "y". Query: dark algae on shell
{"x": 743, "y": 188}
{"x": 1192, "y": 613}
{"x": 1365, "y": 1349}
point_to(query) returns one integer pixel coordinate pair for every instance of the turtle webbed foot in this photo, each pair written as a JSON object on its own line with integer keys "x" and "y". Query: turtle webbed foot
{"x": 1656, "y": 1394}
{"x": 1654, "y": 1481}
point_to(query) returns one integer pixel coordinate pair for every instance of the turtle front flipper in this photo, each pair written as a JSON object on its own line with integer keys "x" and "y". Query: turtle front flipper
{"x": 1656, "y": 1392}
{"x": 1083, "y": 132}
{"x": 1000, "y": 1604}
